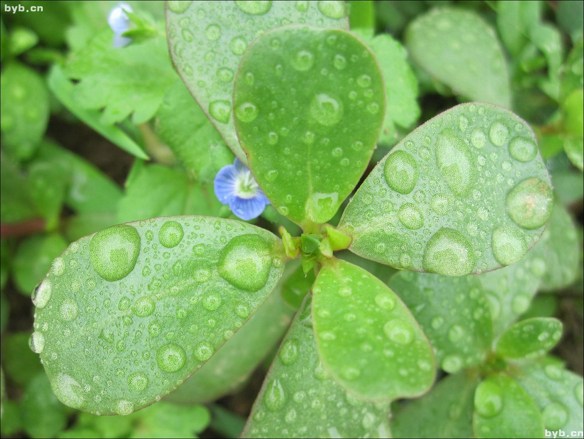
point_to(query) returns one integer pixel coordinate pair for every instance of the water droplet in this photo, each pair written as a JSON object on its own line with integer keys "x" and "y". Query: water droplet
{"x": 455, "y": 163}
{"x": 385, "y": 301}
{"x": 124, "y": 408}
{"x": 478, "y": 139}
{"x": 170, "y": 234}
{"x": 245, "y": 262}
{"x": 225, "y": 74}
{"x": 488, "y": 399}
{"x": 238, "y": 46}
{"x": 289, "y": 352}
{"x": 410, "y": 216}
{"x": 42, "y": 294}
{"x": 529, "y": 203}
{"x": 68, "y": 310}
{"x": 171, "y": 357}
{"x": 213, "y": 32}
{"x": 178, "y": 6}
{"x": 340, "y": 62}
{"x": 275, "y": 396}
{"x": 36, "y": 342}
{"x": 350, "y": 373}
{"x": 554, "y": 416}
{"x": 499, "y": 134}
{"x": 303, "y": 60}
{"x": 520, "y": 303}
{"x": 137, "y": 381}
{"x": 220, "y": 110}
{"x": 326, "y": 110}
{"x": 364, "y": 81}
{"x": 58, "y": 267}
{"x": 522, "y": 149}
{"x": 451, "y": 363}
{"x": 373, "y": 108}
{"x": 508, "y": 245}
{"x": 401, "y": 172}
{"x": 254, "y": 7}
{"x": 448, "y": 252}
{"x": 399, "y": 332}
{"x": 143, "y": 307}
{"x": 302, "y": 6}
{"x": 246, "y": 112}
{"x": 114, "y": 251}
{"x": 437, "y": 322}
{"x": 332, "y": 9}
{"x": 69, "y": 391}
{"x": 204, "y": 351}
{"x": 455, "y": 333}
{"x": 211, "y": 302}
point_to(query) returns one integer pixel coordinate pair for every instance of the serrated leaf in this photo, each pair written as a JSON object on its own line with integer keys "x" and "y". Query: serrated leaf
{"x": 186, "y": 130}
{"x": 453, "y": 312}
{"x": 19, "y": 363}
{"x": 320, "y": 130}
{"x": 169, "y": 191}
{"x": 122, "y": 81}
{"x": 458, "y": 48}
{"x": 42, "y": 414}
{"x": 503, "y": 409}
{"x": 464, "y": 193}
{"x": 25, "y": 110}
{"x": 299, "y": 398}
{"x": 367, "y": 337}
{"x": 444, "y": 412}
{"x": 237, "y": 359}
{"x": 219, "y": 33}
{"x": 557, "y": 392}
{"x": 529, "y": 338}
{"x": 150, "y": 302}
{"x": 33, "y": 259}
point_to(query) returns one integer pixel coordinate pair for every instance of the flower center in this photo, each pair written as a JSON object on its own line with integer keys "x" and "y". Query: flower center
{"x": 246, "y": 186}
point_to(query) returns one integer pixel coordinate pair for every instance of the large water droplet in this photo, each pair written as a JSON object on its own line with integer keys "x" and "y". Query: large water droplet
{"x": 303, "y": 60}
{"x": 178, "y": 6}
{"x": 289, "y": 352}
{"x": 143, "y": 307}
{"x": 114, "y": 251}
{"x": 246, "y": 112}
{"x": 124, "y": 407}
{"x": 220, "y": 110}
{"x": 455, "y": 333}
{"x": 385, "y": 301}
{"x": 204, "y": 351}
{"x": 69, "y": 391}
{"x": 401, "y": 172}
{"x": 488, "y": 399}
{"x": 275, "y": 396}
{"x": 520, "y": 303}
{"x": 36, "y": 342}
{"x": 171, "y": 234}
{"x": 410, "y": 216}
{"x": 326, "y": 110}
{"x": 332, "y": 9}
{"x": 451, "y": 363}
{"x": 171, "y": 358}
{"x": 58, "y": 267}
{"x": 399, "y": 331}
{"x": 42, "y": 294}
{"x": 555, "y": 416}
{"x": 478, "y": 139}
{"x": 499, "y": 134}
{"x": 529, "y": 203}
{"x": 455, "y": 163}
{"x": 137, "y": 381}
{"x": 213, "y": 32}
{"x": 238, "y": 46}
{"x": 340, "y": 62}
{"x": 508, "y": 245}
{"x": 68, "y": 310}
{"x": 522, "y": 149}
{"x": 448, "y": 252}
{"x": 245, "y": 262}
{"x": 254, "y": 7}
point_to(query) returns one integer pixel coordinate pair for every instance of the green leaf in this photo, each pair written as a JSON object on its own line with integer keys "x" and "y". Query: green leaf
{"x": 556, "y": 391}
{"x": 238, "y": 358}
{"x": 11, "y": 421}
{"x": 25, "y": 110}
{"x": 15, "y": 200}
{"x": 21, "y": 40}
{"x": 299, "y": 398}
{"x": 453, "y": 312}
{"x": 47, "y": 184}
{"x": 513, "y": 22}
{"x": 549, "y": 41}
{"x": 182, "y": 125}
{"x": 380, "y": 271}
{"x": 320, "y": 130}
{"x": 458, "y": 48}
{"x": 362, "y": 16}
{"x": 568, "y": 186}
{"x": 219, "y": 33}
{"x": 401, "y": 87}
{"x": 572, "y": 71}
{"x": 504, "y": 409}
{"x": 296, "y": 284}
{"x": 165, "y": 420}
{"x": 169, "y": 191}
{"x": 33, "y": 259}
{"x": 529, "y": 338}
{"x": 105, "y": 426}
{"x": 444, "y": 412}
{"x": 570, "y": 18}
{"x": 19, "y": 363}
{"x": 85, "y": 224}
{"x": 150, "y": 302}
{"x": 122, "y": 81}
{"x": 65, "y": 92}
{"x": 367, "y": 337}
{"x": 574, "y": 125}
{"x": 542, "y": 305}
{"x": 42, "y": 414}
{"x": 464, "y": 193}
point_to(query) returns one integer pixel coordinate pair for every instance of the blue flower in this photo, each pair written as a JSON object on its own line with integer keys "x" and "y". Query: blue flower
{"x": 119, "y": 22}
{"x": 236, "y": 187}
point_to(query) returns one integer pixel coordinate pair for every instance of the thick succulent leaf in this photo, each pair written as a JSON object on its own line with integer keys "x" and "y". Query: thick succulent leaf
{"x": 186, "y": 130}
{"x": 219, "y": 33}
{"x": 42, "y": 414}
{"x": 47, "y": 186}
{"x": 466, "y": 192}
{"x": 568, "y": 186}
{"x": 453, "y": 312}
{"x": 503, "y": 409}
{"x": 300, "y": 399}
{"x": 574, "y": 125}
{"x": 320, "y": 130}
{"x": 513, "y": 22}
{"x": 237, "y": 359}
{"x": 556, "y": 391}
{"x": 150, "y": 303}
{"x": 25, "y": 110}
{"x": 529, "y": 338}
{"x": 461, "y": 50}
{"x": 444, "y": 412}
{"x": 367, "y": 337}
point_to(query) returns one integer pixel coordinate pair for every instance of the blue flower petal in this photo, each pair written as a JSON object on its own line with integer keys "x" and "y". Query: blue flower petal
{"x": 248, "y": 208}
{"x": 120, "y": 41}
{"x": 118, "y": 20}
{"x": 239, "y": 165}
{"x": 225, "y": 182}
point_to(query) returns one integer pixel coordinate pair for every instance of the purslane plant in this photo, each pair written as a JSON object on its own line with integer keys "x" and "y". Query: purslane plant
{"x": 128, "y": 314}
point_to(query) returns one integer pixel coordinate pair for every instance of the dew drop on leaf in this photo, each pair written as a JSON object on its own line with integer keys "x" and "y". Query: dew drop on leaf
{"x": 37, "y": 342}
{"x": 124, "y": 407}
{"x": 171, "y": 234}
{"x": 245, "y": 262}
{"x": 303, "y": 60}
{"x": 143, "y": 307}
{"x": 275, "y": 396}
{"x": 332, "y": 9}
{"x": 289, "y": 352}
{"x": 498, "y": 134}
{"x": 522, "y": 149}
{"x": 448, "y": 252}
{"x": 68, "y": 310}
{"x": 137, "y": 381}
{"x": 385, "y": 301}
{"x": 488, "y": 400}
{"x": 555, "y": 416}
{"x": 399, "y": 331}
{"x": 114, "y": 251}
{"x": 451, "y": 363}
{"x": 529, "y": 203}
{"x": 42, "y": 294}
{"x": 68, "y": 390}
{"x": 455, "y": 163}
{"x": 254, "y": 7}
{"x": 410, "y": 216}
{"x": 246, "y": 112}
{"x": 204, "y": 351}
{"x": 508, "y": 245}
{"x": 326, "y": 110}
{"x": 401, "y": 172}
{"x": 212, "y": 302}
{"x": 220, "y": 110}
{"x": 171, "y": 357}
